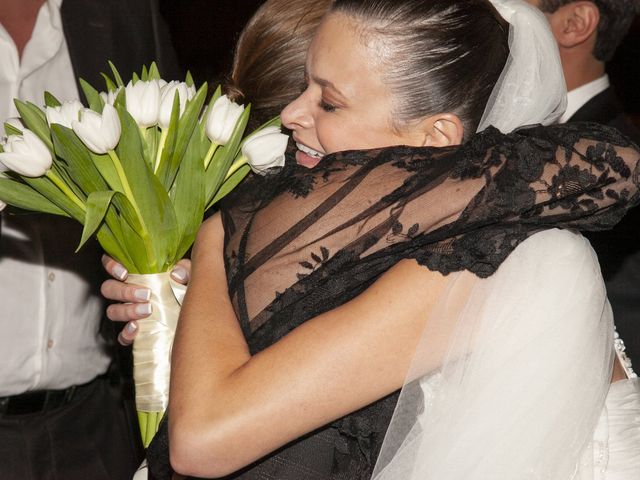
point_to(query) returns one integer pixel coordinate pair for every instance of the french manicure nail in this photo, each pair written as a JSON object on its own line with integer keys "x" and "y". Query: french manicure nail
{"x": 142, "y": 294}
{"x": 131, "y": 327}
{"x": 143, "y": 309}
{"x": 120, "y": 272}
{"x": 179, "y": 274}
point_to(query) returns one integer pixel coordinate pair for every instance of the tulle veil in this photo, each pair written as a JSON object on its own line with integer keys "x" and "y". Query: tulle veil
{"x": 530, "y": 349}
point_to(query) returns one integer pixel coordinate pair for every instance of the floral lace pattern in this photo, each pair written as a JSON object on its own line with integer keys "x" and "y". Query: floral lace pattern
{"x": 302, "y": 242}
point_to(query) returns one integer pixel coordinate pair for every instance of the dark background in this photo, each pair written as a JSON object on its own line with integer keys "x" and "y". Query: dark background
{"x": 205, "y": 31}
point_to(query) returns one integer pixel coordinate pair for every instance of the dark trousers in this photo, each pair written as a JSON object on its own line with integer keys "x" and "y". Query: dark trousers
{"x": 90, "y": 438}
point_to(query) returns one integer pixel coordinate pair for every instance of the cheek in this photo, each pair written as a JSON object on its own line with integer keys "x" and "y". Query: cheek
{"x": 335, "y": 135}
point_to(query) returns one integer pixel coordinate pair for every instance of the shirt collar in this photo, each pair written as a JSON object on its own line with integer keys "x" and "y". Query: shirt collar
{"x": 577, "y": 97}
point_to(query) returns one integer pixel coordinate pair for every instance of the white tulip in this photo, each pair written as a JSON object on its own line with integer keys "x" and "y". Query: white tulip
{"x": 143, "y": 102}
{"x": 222, "y": 120}
{"x": 110, "y": 97}
{"x": 26, "y": 155}
{"x": 2, "y": 205}
{"x": 64, "y": 114}
{"x": 100, "y": 133}
{"x": 168, "y": 93}
{"x": 265, "y": 149}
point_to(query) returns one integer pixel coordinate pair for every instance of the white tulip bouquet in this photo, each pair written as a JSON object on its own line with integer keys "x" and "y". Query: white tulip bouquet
{"x": 138, "y": 169}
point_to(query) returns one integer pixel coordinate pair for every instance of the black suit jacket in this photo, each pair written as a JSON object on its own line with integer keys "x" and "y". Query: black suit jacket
{"x": 619, "y": 249}
{"x": 130, "y": 33}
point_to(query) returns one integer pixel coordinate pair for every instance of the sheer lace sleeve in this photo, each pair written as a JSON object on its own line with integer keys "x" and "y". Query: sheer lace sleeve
{"x": 303, "y": 242}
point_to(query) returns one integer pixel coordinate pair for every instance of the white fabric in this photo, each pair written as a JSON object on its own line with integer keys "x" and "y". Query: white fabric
{"x": 530, "y": 350}
{"x": 577, "y": 97}
{"x": 524, "y": 382}
{"x": 531, "y": 88}
{"x": 45, "y": 64}
{"x": 49, "y": 317}
{"x": 616, "y": 449}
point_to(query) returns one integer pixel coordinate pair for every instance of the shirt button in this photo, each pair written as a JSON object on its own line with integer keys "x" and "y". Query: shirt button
{"x": 50, "y": 344}
{"x": 51, "y": 276}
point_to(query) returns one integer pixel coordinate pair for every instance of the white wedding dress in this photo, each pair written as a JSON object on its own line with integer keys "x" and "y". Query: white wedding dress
{"x": 616, "y": 442}
{"x": 524, "y": 392}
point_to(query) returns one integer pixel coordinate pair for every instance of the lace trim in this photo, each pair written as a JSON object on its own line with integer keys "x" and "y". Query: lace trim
{"x": 622, "y": 355}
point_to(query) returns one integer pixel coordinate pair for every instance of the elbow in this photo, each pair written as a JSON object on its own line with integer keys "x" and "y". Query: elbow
{"x": 200, "y": 449}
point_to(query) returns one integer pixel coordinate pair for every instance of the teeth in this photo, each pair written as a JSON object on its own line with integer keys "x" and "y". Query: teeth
{"x": 309, "y": 151}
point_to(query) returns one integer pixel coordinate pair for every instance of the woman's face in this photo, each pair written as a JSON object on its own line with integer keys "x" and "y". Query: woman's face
{"x": 346, "y": 105}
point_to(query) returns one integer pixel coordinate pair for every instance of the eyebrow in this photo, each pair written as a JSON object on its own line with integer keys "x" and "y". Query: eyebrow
{"x": 326, "y": 83}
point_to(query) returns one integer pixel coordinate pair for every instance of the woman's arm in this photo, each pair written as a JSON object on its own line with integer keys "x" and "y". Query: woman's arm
{"x": 229, "y": 408}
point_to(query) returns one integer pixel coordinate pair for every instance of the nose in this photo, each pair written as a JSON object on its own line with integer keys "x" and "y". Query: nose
{"x": 297, "y": 115}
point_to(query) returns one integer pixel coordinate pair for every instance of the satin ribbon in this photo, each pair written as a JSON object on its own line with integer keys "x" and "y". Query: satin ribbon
{"x": 154, "y": 340}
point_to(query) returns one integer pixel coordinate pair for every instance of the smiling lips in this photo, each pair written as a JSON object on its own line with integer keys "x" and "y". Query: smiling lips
{"x": 307, "y": 157}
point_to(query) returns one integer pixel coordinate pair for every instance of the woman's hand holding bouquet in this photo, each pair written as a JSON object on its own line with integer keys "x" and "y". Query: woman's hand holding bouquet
{"x": 138, "y": 169}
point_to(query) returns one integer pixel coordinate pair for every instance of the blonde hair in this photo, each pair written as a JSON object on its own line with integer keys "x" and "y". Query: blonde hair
{"x": 269, "y": 60}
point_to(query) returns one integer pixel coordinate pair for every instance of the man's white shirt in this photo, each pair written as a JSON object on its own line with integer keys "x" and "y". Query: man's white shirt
{"x": 49, "y": 317}
{"x": 577, "y": 97}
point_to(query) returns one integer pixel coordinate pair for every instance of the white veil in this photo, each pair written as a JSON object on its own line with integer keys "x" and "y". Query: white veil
{"x": 530, "y": 349}
{"x": 531, "y": 88}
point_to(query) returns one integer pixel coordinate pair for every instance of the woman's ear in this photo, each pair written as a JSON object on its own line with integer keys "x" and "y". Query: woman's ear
{"x": 443, "y": 130}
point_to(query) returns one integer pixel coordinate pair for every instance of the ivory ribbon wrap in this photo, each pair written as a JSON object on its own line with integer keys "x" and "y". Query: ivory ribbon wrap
{"x": 152, "y": 346}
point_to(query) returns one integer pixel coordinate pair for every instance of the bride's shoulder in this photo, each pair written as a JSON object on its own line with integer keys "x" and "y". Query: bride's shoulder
{"x": 555, "y": 250}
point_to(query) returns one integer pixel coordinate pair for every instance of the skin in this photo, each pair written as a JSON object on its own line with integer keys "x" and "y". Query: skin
{"x": 335, "y": 363}
{"x": 574, "y": 27}
{"x": 347, "y": 105}
{"x": 18, "y": 17}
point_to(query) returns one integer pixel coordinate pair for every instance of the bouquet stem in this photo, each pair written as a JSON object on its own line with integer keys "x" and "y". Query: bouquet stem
{"x": 152, "y": 352}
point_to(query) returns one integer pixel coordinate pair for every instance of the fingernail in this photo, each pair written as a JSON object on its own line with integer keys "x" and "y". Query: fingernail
{"x": 143, "y": 309}
{"x": 120, "y": 272}
{"x": 179, "y": 274}
{"x": 131, "y": 327}
{"x": 142, "y": 294}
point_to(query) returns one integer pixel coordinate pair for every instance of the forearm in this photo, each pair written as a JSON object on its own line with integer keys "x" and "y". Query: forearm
{"x": 229, "y": 409}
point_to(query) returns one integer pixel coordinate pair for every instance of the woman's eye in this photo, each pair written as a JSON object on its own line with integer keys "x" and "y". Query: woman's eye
{"x": 327, "y": 107}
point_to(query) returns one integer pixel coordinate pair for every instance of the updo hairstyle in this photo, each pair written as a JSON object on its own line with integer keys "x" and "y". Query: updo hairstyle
{"x": 436, "y": 55}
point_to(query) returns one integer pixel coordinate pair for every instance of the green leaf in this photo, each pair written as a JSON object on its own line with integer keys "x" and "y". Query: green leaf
{"x": 112, "y": 247}
{"x": 154, "y": 73}
{"x": 134, "y": 78}
{"x": 121, "y": 98}
{"x": 150, "y": 137}
{"x": 224, "y": 157}
{"x": 145, "y": 74}
{"x": 50, "y": 100}
{"x": 116, "y": 74}
{"x": 168, "y": 149}
{"x": 35, "y": 120}
{"x": 104, "y": 165}
{"x": 229, "y": 184}
{"x": 186, "y": 127}
{"x": 110, "y": 86}
{"x": 97, "y": 205}
{"x": 22, "y": 196}
{"x": 47, "y": 189}
{"x": 94, "y": 100}
{"x": 188, "y": 79}
{"x": 158, "y": 219}
{"x": 78, "y": 160}
{"x": 188, "y": 200}
{"x": 274, "y": 122}
{"x": 11, "y": 130}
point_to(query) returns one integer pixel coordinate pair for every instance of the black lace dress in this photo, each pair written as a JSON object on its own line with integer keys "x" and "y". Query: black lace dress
{"x": 330, "y": 232}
